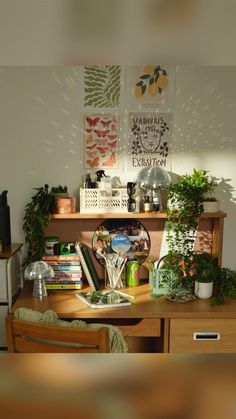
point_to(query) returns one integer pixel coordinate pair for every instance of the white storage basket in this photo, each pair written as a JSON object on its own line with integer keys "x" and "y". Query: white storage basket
{"x": 99, "y": 201}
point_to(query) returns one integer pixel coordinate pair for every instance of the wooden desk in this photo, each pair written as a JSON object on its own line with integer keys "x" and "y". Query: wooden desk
{"x": 149, "y": 324}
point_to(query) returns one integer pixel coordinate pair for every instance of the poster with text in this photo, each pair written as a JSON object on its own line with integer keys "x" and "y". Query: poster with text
{"x": 149, "y": 140}
{"x": 150, "y": 86}
{"x": 101, "y": 141}
{"x": 101, "y": 87}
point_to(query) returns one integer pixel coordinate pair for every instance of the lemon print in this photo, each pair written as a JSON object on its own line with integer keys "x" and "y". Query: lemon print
{"x": 152, "y": 90}
{"x": 162, "y": 82}
{"x": 149, "y": 69}
{"x": 138, "y": 91}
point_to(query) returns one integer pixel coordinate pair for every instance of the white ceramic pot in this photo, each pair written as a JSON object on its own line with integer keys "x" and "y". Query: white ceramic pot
{"x": 211, "y": 206}
{"x": 203, "y": 289}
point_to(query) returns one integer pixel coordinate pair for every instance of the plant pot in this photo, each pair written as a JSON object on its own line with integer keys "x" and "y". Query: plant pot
{"x": 203, "y": 289}
{"x": 211, "y": 206}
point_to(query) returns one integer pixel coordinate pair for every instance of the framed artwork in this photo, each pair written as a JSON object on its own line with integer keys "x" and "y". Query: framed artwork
{"x": 149, "y": 140}
{"x": 150, "y": 87}
{"x": 101, "y": 87}
{"x": 101, "y": 141}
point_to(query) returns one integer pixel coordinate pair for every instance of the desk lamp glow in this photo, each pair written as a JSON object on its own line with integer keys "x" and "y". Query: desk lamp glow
{"x": 38, "y": 272}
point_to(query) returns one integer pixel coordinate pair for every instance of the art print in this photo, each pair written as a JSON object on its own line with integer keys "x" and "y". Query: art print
{"x": 149, "y": 140}
{"x": 102, "y": 86}
{"x": 101, "y": 141}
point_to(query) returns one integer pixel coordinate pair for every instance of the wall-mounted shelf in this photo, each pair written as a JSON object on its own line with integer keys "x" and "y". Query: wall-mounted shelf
{"x": 149, "y": 215}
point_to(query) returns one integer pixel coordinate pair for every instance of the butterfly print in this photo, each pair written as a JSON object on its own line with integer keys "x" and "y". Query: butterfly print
{"x": 88, "y": 130}
{"x": 93, "y": 163}
{"x": 111, "y": 161}
{"x": 101, "y": 133}
{"x": 105, "y": 124}
{"x": 91, "y": 154}
{"x": 92, "y": 122}
{"x": 91, "y": 147}
{"x": 102, "y": 150}
{"x": 112, "y": 137}
{"x": 112, "y": 145}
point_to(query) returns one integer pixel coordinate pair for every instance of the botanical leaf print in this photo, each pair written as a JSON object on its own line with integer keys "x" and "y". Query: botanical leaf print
{"x": 154, "y": 81}
{"x": 102, "y": 86}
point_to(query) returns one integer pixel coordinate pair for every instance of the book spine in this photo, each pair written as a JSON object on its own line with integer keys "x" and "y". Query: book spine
{"x": 60, "y": 257}
{"x": 64, "y": 286}
{"x": 84, "y": 266}
{"x": 91, "y": 267}
{"x": 75, "y": 268}
{"x": 68, "y": 275}
{"x": 64, "y": 281}
{"x": 63, "y": 263}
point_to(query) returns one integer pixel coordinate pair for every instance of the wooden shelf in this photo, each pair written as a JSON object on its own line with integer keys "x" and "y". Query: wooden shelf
{"x": 149, "y": 215}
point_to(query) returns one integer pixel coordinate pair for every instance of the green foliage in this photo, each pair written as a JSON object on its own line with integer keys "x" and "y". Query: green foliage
{"x": 205, "y": 268}
{"x": 59, "y": 189}
{"x": 35, "y": 221}
{"x": 185, "y": 205}
{"x": 224, "y": 286}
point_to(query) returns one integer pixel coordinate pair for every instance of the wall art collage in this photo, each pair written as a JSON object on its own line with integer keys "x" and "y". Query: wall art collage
{"x": 131, "y": 107}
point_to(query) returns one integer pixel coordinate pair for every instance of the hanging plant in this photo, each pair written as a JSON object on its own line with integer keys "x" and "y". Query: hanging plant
{"x": 36, "y": 219}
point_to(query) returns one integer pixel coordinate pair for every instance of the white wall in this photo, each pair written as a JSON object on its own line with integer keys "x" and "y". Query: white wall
{"x": 40, "y": 139}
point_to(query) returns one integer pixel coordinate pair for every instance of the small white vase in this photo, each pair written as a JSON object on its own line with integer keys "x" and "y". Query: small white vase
{"x": 203, "y": 289}
{"x": 211, "y": 206}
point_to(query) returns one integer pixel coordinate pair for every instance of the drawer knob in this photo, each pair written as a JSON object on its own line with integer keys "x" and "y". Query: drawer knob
{"x": 206, "y": 336}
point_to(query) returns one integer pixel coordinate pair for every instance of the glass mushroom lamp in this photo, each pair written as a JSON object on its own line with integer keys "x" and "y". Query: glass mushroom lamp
{"x": 38, "y": 272}
{"x": 154, "y": 179}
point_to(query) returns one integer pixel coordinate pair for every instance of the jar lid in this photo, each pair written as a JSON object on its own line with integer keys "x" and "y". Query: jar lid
{"x": 51, "y": 239}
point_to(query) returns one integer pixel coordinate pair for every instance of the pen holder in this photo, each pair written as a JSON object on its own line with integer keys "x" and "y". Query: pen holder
{"x": 114, "y": 278}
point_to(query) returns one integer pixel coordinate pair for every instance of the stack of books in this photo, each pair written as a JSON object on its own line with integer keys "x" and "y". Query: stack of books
{"x": 67, "y": 270}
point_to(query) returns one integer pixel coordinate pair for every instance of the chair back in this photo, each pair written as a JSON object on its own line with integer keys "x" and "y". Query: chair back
{"x": 24, "y": 336}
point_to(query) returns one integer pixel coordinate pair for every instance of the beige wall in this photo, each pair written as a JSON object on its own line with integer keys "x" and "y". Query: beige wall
{"x": 40, "y": 139}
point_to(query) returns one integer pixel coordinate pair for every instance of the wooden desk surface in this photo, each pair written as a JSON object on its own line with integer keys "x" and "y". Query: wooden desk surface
{"x": 144, "y": 306}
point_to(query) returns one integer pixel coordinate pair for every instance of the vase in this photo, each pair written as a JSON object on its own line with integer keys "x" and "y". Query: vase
{"x": 203, "y": 289}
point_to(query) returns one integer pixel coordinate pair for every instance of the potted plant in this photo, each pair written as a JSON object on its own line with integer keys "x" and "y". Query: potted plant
{"x": 60, "y": 191}
{"x": 36, "y": 219}
{"x": 204, "y": 274}
{"x": 184, "y": 206}
{"x": 210, "y": 204}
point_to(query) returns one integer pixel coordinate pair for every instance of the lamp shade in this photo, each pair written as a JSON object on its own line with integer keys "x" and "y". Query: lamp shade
{"x": 153, "y": 177}
{"x": 38, "y": 270}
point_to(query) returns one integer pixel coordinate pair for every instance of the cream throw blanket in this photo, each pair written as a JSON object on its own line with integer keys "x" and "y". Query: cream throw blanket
{"x": 50, "y": 317}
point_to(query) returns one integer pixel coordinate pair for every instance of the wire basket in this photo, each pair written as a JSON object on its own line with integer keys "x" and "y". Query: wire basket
{"x": 99, "y": 201}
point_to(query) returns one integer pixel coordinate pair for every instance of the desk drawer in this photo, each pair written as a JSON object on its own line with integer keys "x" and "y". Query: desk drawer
{"x": 141, "y": 327}
{"x": 202, "y": 335}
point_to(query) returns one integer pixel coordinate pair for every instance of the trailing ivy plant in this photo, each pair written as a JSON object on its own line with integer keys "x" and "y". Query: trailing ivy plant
{"x": 36, "y": 219}
{"x": 224, "y": 286}
{"x": 184, "y": 206}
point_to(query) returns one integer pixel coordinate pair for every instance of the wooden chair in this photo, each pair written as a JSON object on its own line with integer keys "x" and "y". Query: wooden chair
{"x": 27, "y": 337}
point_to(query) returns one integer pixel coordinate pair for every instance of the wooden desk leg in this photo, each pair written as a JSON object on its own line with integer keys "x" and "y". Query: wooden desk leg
{"x": 166, "y": 336}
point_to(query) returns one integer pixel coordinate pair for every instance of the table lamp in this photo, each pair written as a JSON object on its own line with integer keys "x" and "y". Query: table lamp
{"x": 38, "y": 272}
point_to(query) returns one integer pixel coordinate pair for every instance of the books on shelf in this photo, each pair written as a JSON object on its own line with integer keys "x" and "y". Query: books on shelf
{"x": 103, "y": 299}
{"x": 88, "y": 267}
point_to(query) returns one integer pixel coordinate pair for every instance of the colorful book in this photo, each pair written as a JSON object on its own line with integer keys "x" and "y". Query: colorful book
{"x": 64, "y": 286}
{"x": 64, "y": 268}
{"x": 91, "y": 267}
{"x": 84, "y": 266}
{"x": 103, "y": 299}
{"x": 63, "y": 263}
{"x": 47, "y": 258}
{"x": 69, "y": 275}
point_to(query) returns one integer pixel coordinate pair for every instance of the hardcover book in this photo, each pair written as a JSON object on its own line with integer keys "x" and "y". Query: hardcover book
{"x": 48, "y": 258}
{"x": 103, "y": 299}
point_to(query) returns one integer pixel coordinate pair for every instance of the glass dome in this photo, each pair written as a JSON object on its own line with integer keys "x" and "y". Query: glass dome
{"x": 153, "y": 178}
